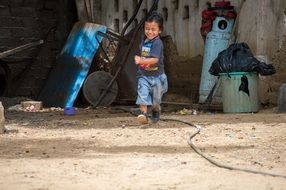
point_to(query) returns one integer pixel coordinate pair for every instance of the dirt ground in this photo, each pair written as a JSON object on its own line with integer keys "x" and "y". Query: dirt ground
{"x": 108, "y": 149}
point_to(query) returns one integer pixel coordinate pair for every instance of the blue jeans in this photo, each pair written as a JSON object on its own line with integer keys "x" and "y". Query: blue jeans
{"x": 151, "y": 89}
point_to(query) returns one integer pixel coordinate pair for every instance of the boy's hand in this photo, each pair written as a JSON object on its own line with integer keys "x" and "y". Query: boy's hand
{"x": 137, "y": 59}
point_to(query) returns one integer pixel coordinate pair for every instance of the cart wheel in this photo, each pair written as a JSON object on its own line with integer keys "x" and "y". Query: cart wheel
{"x": 95, "y": 85}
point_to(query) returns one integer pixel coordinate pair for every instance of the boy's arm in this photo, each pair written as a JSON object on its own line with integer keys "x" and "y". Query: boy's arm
{"x": 147, "y": 61}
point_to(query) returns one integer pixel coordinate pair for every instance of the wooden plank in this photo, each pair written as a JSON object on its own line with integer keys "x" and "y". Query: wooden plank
{"x": 20, "y": 48}
{"x": 2, "y": 119}
{"x": 88, "y": 9}
{"x": 92, "y": 10}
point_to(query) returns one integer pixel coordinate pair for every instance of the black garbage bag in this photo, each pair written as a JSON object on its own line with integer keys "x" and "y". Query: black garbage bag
{"x": 239, "y": 58}
{"x": 244, "y": 85}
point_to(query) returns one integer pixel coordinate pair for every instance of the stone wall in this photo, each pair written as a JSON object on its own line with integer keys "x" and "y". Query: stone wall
{"x": 264, "y": 30}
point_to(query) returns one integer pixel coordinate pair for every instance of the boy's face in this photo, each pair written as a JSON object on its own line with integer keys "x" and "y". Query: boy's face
{"x": 152, "y": 30}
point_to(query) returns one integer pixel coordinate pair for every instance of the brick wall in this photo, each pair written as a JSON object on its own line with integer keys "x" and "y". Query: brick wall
{"x": 24, "y": 21}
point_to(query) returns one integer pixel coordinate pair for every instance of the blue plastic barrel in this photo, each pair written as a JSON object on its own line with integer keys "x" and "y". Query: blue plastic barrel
{"x": 216, "y": 41}
{"x": 69, "y": 111}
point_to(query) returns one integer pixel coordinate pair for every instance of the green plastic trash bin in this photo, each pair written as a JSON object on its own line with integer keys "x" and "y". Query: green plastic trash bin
{"x": 235, "y": 101}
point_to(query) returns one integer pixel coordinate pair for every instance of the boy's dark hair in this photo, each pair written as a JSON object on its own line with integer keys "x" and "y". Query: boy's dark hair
{"x": 156, "y": 17}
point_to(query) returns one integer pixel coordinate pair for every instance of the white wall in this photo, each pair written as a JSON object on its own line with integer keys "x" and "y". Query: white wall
{"x": 262, "y": 22}
{"x": 263, "y": 25}
{"x": 184, "y": 31}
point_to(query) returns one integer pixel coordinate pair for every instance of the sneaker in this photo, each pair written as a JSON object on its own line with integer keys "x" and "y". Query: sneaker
{"x": 155, "y": 116}
{"x": 142, "y": 118}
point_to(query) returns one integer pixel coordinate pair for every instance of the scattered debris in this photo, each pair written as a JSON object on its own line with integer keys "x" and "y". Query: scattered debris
{"x": 12, "y": 101}
{"x": 16, "y": 107}
{"x": 188, "y": 112}
{"x": 32, "y": 106}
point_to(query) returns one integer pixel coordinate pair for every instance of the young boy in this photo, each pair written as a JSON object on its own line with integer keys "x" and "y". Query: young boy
{"x": 152, "y": 81}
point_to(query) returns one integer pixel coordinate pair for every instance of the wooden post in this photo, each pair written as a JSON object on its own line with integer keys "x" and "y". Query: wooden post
{"x": 20, "y": 48}
{"x": 2, "y": 119}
